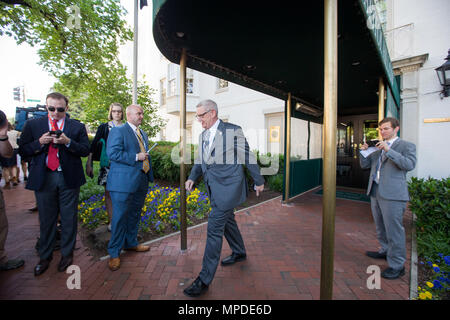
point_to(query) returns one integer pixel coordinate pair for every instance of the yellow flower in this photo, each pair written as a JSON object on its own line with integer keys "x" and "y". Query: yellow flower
{"x": 422, "y": 296}
{"x": 435, "y": 266}
{"x": 428, "y": 295}
{"x": 430, "y": 284}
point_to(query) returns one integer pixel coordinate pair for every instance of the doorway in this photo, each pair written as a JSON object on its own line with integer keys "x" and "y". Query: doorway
{"x": 351, "y": 131}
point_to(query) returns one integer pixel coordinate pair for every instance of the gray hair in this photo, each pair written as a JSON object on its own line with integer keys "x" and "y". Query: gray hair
{"x": 209, "y": 105}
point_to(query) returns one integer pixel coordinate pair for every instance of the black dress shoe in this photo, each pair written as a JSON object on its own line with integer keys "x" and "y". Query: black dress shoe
{"x": 65, "y": 263}
{"x": 233, "y": 259}
{"x": 390, "y": 273}
{"x": 376, "y": 255}
{"x": 196, "y": 288}
{"x": 41, "y": 267}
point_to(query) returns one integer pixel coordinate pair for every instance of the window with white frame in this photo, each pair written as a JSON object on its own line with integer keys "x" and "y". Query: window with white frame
{"x": 162, "y": 91}
{"x": 171, "y": 79}
{"x": 189, "y": 81}
{"x": 222, "y": 84}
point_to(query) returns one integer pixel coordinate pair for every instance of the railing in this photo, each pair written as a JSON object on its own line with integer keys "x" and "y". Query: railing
{"x": 400, "y": 41}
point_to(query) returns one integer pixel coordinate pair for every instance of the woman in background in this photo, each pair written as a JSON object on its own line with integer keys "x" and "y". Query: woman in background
{"x": 98, "y": 152}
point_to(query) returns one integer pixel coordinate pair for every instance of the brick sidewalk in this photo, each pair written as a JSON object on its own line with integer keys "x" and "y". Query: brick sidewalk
{"x": 283, "y": 249}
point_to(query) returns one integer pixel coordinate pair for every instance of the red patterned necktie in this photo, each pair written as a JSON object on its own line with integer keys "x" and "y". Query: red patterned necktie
{"x": 53, "y": 161}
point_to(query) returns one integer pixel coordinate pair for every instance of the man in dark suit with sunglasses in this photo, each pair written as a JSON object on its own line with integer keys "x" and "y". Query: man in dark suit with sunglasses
{"x": 56, "y": 144}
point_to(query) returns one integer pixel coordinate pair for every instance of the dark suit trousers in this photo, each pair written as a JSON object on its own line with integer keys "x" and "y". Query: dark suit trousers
{"x": 55, "y": 197}
{"x": 220, "y": 223}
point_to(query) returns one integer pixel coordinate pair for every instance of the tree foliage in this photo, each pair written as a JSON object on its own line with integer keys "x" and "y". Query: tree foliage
{"x": 78, "y": 43}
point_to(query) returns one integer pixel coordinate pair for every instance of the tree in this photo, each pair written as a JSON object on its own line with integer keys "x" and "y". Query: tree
{"x": 78, "y": 44}
{"x": 75, "y": 36}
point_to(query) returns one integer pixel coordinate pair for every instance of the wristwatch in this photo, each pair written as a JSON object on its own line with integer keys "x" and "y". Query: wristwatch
{"x": 4, "y": 139}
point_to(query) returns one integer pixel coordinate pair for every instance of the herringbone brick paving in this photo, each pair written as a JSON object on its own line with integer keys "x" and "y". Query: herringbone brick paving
{"x": 283, "y": 247}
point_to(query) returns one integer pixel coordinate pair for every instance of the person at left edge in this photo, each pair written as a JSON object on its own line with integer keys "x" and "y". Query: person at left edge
{"x": 55, "y": 175}
{"x": 127, "y": 182}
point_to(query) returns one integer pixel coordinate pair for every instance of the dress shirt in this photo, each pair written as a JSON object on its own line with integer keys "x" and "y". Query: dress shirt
{"x": 134, "y": 130}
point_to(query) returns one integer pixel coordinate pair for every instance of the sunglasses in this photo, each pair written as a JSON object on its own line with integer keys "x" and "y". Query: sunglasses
{"x": 53, "y": 109}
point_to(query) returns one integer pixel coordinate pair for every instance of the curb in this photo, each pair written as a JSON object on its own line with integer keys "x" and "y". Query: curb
{"x": 413, "y": 277}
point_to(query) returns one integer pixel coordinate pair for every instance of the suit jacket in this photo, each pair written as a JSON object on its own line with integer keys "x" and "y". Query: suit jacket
{"x": 69, "y": 157}
{"x": 400, "y": 159}
{"x": 223, "y": 170}
{"x": 122, "y": 147}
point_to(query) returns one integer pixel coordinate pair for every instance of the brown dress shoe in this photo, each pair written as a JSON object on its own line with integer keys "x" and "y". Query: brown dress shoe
{"x": 114, "y": 264}
{"x": 139, "y": 248}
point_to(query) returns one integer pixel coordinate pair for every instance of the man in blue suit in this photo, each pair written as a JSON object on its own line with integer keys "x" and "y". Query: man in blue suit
{"x": 55, "y": 145}
{"x": 223, "y": 150}
{"x": 127, "y": 182}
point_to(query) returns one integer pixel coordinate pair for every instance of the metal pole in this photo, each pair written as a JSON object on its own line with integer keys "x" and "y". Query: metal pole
{"x": 381, "y": 94}
{"x": 329, "y": 158}
{"x": 287, "y": 156}
{"x": 183, "y": 219}
{"x": 135, "y": 51}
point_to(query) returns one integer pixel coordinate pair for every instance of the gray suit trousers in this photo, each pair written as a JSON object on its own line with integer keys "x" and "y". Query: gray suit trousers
{"x": 388, "y": 216}
{"x": 220, "y": 223}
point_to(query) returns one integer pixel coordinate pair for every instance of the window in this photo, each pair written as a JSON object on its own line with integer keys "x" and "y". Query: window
{"x": 382, "y": 12}
{"x": 162, "y": 91}
{"x": 172, "y": 79}
{"x": 189, "y": 80}
{"x": 172, "y": 87}
{"x": 222, "y": 84}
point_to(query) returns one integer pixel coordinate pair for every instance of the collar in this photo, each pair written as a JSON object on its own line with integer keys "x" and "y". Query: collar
{"x": 132, "y": 126}
{"x": 391, "y": 141}
{"x": 214, "y": 126}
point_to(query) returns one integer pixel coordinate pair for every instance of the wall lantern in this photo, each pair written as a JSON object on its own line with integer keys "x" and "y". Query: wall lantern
{"x": 443, "y": 73}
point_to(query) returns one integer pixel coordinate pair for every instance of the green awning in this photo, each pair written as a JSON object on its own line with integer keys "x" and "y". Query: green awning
{"x": 278, "y": 48}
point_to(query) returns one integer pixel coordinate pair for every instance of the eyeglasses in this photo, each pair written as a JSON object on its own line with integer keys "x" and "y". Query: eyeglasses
{"x": 53, "y": 109}
{"x": 200, "y": 116}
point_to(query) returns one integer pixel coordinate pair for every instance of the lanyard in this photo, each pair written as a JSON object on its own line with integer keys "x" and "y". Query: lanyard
{"x": 53, "y": 126}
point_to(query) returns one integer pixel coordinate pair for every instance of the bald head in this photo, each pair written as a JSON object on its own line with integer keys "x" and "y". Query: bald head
{"x": 135, "y": 114}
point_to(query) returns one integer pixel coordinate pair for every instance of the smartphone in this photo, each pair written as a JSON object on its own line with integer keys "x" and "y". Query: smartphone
{"x": 372, "y": 143}
{"x": 56, "y": 133}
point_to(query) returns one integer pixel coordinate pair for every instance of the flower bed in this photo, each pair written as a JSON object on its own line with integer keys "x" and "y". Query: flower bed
{"x": 435, "y": 281}
{"x": 160, "y": 213}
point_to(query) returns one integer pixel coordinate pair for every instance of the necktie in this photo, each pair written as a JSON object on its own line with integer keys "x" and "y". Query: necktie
{"x": 381, "y": 159}
{"x": 146, "y": 163}
{"x": 206, "y": 136}
{"x": 53, "y": 160}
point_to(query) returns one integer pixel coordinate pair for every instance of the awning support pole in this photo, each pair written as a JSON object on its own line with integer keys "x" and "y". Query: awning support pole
{"x": 287, "y": 156}
{"x": 381, "y": 94}
{"x": 183, "y": 150}
{"x": 329, "y": 157}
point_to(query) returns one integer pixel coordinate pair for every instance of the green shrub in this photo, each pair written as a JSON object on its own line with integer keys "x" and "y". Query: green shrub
{"x": 430, "y": 202}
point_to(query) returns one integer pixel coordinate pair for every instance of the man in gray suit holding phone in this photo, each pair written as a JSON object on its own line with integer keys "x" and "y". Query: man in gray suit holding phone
{"x": 223, "y": 150}
{"x": 388, "y": 192}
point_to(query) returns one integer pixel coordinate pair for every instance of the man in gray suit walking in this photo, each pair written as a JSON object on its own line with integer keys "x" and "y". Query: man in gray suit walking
{"x": 223, "y": 150}
{"x": 388, "y": 192}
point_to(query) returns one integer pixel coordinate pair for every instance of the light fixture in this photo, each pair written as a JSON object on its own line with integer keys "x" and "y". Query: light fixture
{"x": 249, "y": 67}
{"x": 356, "y": 63}
{"x": 308, "y": 110}
{"x": 180, "y": 34}
{"x": 443, "y": 73}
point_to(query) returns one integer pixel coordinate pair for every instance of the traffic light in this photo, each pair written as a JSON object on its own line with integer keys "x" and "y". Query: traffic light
{"x": 17, "y": 93}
